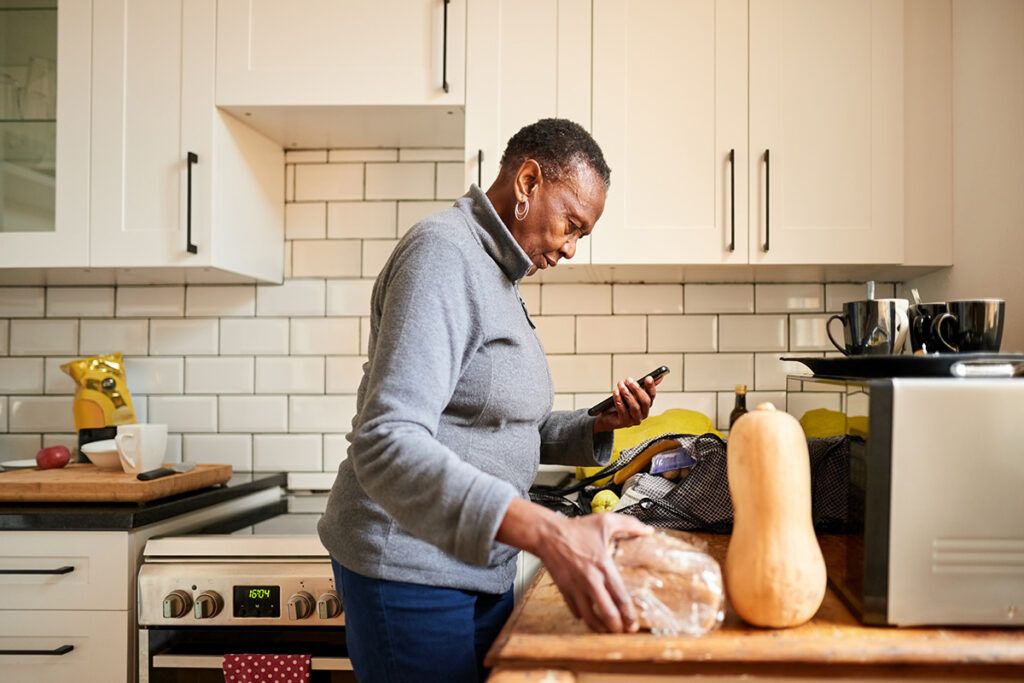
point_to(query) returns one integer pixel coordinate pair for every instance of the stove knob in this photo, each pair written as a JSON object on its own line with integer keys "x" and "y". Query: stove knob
{"x": 208, "y": 605}
{"x": 177, "y": 604}
{"x": 300, "y": 606}
{"x": 328, "y": 606}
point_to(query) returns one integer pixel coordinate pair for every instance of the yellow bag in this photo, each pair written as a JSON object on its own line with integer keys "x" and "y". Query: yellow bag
{"x": 101, "y": 396}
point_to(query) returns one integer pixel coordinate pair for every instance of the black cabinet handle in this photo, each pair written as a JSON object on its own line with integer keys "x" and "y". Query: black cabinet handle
{"x": 732, "y": 198}
{"x": 193, "y": 158}
{"x": 444, "y": 50}
{"x": 62, "y": 650}
{"x": 66, "y": 569}
{"x": 480, "y": 168}
{"x": 767, "y": 200}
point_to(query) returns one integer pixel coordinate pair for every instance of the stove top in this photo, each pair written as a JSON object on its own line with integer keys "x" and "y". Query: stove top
{"x": 213, "y": 547}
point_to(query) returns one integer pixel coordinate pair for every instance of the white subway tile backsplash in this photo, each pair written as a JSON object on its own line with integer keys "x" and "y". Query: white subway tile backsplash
{"x": 581, "y": 373}
{"x": 305, "y": 221}
{"x": 218, "y": 375}
{"x": 45, "y": 337}
{"x": 751, "y": 333}
{"x": 249, "y": 337}
{"x": 173, "y": 452}
{"x": 361, "y": 220}
{"x": 324, "y": 336}
{"x": 564, "y": 402}
{"x": 795, "y": 298}
{"x": 410, "y": 213}
{"x": 3, "y": 419}
{"x": 294, "y": 297}
{"x": 557, "y": 332}
{"x": 154, "y": 375}
{"x": 69, "y": 441}
{"x": 321, "y": 413}
{"x": 319, "y": 182}
{"x": 340, "y": 155}
{"x": 412, "y": 180}
{"x": 289, "y": 183}
{"x": 770, "y": 372}
{"x": 451, "y": 181}
{"x": 22, "y": 302}
{"x": 686, "y": 333}
{"x": 40, "y": 414}
{"x": 311, "y": 481}
{"x": 364, "y": 336}
{"x": 636, "y": 365}
{"x": 430, "y": 154}
{"x": 225, "y": 449}
{"x": 55, "y": 380}
{"x": 150, "y": 301}
{"x": 344, "y": 373}
{"x": 836, "y": 294}
{"x": 290, "y": 375}
{"x": 335, "y": 450}
{"x": 807, "y": 333}
{"x": 141, "y": 406}
{"x": 718, "y": 298}
{"x": 253, "y": 414}
{"x": 19, "y": 446}
{"x": 80, "y": 302}
{"x": 575, "y": 299}
{"x": 130, "y": 337}
{"x": 21, "y": 375}
{"x": 4, "y": 333}
{"x": 324, "y": 258}
{"x": 375, "y": 255}
{"x": 704, "y": 403}
{"x": 195, "y": 336}
{"x": 727, "y": 401}
{"x": 666, "y": 299}
{"x": 287, "y": 453}
{"x": 717, "y": 371}
{"x": 220, "y": 301}
{"x": 530, "y": 294}
{"x": 349, "y": 297}
{"x": 184, "y": 413}
{"x": 611, "y": 333}
{"x": 305, "y": 156}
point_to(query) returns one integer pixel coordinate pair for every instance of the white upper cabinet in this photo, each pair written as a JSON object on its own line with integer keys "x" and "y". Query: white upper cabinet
{"x": 826, "y": 105}
{"x": 335, "y": 52}
{"x": 175, "y": 182}
{"x": 530, "y": 60}
{"x": 669, "y": 110}
{"x": 44, "y": 134}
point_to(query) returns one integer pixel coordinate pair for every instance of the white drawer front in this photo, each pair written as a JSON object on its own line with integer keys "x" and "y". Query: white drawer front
{"x": 98, "y": 640}
{"x": 98, "y": 578}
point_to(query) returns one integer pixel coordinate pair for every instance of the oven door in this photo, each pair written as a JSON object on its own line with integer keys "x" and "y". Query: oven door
{"x": 195, "y": 655}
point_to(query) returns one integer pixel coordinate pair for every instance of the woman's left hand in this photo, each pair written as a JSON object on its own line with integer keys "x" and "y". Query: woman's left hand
{"x": 631, "y": 404}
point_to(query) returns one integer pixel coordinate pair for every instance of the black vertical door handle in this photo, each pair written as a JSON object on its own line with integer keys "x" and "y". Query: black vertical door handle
{"x": 444, "y": 50}
{"x": 480, "y": 168}
{"x": 732, "y": 199}
{"x": 193, "y": 158}
{"x": 767, "y": 200}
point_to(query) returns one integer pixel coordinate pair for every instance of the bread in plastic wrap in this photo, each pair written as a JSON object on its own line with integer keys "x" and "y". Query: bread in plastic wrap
{"x": 675, "y": 585}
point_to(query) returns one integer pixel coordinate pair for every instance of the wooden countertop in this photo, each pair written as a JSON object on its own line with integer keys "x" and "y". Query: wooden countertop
{"x": 543, "y": 634}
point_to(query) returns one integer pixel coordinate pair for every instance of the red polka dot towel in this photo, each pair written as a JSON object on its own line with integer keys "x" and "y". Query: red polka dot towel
{"x": 266, "y": 668}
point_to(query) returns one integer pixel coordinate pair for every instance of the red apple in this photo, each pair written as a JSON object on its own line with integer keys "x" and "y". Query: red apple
{"x": 52, "y": 457}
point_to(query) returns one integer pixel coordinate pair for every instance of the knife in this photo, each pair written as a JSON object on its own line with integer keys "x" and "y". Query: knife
{"x": 181, "y": 467}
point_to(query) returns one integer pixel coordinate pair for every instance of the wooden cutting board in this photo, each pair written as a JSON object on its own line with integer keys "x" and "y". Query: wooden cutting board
{"x": 86, "y": 483}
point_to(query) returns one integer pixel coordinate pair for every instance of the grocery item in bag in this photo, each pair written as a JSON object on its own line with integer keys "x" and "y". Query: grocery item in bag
{"x": 101, "y": 393}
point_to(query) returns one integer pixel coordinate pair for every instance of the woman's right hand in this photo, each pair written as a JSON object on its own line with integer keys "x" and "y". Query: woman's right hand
{"x": 577, "y": 554}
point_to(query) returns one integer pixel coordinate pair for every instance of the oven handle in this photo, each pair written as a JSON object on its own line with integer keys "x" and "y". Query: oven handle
{"x": 217, "y": 662}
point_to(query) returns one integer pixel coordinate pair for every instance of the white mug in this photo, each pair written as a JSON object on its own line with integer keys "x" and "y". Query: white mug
{"x": 141, "y": 446}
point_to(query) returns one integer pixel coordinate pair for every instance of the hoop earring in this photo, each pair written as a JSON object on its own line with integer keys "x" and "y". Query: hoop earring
{"x": 520, "y": 215}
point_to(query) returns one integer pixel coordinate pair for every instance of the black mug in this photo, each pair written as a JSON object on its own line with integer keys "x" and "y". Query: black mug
{"x": 924, "y": 321}
{"x": 872, "y": 327}
{"x": 972, "y": 325}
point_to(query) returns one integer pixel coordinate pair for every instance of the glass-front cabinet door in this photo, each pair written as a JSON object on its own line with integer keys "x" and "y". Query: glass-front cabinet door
{"x": 45, "y": 52}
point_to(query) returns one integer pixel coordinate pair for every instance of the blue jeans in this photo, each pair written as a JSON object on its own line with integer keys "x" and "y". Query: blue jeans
{"x": 397, "y": 632}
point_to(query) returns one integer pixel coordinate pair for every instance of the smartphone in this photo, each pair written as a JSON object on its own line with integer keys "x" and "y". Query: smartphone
{"x": 609, "y": 402}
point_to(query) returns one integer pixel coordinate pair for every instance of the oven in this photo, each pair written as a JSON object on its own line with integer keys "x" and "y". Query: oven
{"x": 204, "y": 596}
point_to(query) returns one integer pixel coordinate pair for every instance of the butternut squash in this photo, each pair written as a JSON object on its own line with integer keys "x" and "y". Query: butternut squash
{"x": 774, "y": 569}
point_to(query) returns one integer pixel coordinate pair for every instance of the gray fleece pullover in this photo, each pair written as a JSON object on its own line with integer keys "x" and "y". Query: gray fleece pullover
{"x": 453, "y": 413}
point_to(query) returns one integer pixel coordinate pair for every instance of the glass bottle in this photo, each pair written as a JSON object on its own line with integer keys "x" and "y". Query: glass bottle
{"x": 741, "y": 404}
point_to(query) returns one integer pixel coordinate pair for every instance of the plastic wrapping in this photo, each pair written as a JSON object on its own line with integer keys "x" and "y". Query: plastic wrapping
{"x": 675, "y": 585}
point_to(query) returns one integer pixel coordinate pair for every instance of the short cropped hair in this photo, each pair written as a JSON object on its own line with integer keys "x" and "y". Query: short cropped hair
{"x": 557, "y": 145}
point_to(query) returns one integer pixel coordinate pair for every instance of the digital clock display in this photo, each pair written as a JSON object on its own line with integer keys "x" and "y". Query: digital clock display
{"x": 259, "y": 602}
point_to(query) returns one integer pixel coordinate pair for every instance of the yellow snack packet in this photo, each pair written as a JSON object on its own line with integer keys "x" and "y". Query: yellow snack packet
{"x": 101, "y": 393}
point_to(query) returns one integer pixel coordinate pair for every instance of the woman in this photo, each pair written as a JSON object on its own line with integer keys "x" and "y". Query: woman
{"x": 453, "y": 415}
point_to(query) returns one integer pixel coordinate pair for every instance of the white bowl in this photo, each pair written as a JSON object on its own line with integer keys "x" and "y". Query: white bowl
{"x": 103, "y": 454}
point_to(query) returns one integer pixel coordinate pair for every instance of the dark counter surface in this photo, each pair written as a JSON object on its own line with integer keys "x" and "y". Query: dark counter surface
{"x": 128, "y": 516}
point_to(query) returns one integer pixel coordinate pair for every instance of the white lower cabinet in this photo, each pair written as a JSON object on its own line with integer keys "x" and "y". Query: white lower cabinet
{"x": 527, "y": 567}
{"x": 83, "y": 646}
